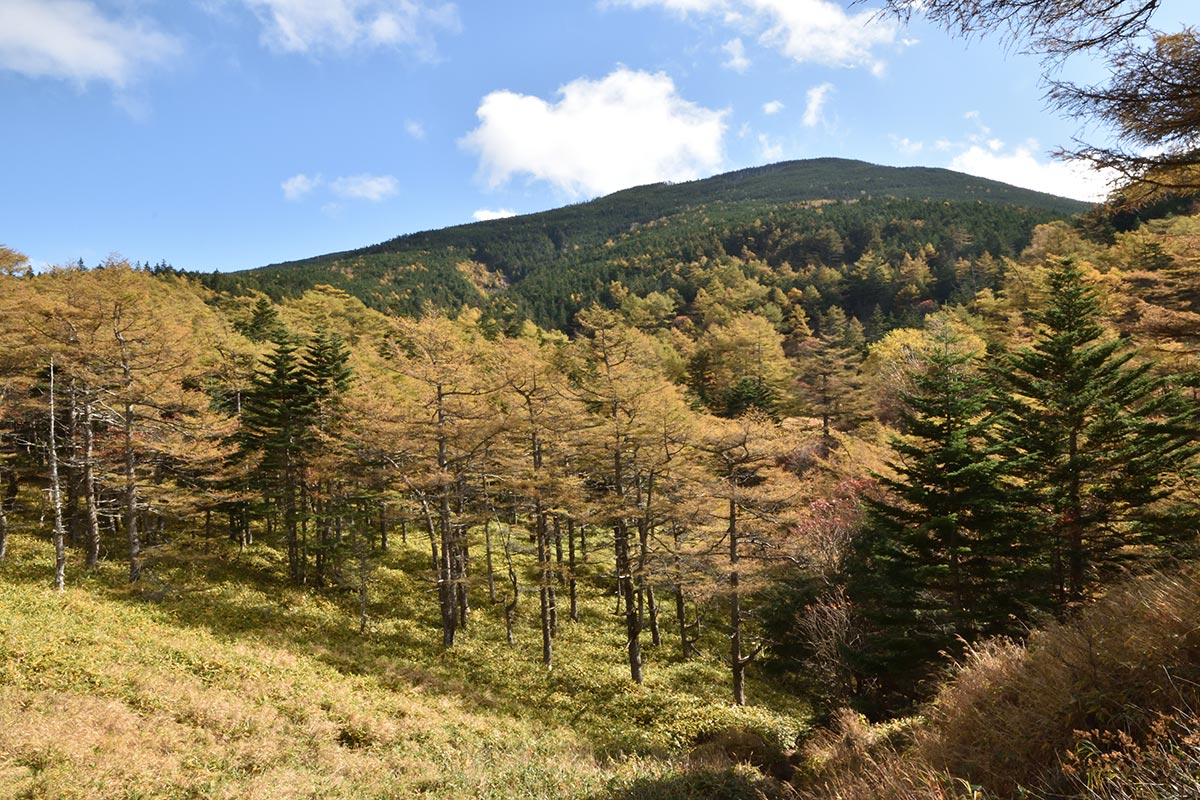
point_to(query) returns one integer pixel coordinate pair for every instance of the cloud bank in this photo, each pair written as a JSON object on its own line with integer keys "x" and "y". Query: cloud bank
{"x": 372, "y": 188}
{"x": 488, "y": 214}
{"x": 73, "y": 40}
{"x": 627, "y": 129}
{"x": 806, "y": 31}
{"x": 979, "y": 152}
{"x": 316, "y": 26}
{"x": 1020, "y": 167}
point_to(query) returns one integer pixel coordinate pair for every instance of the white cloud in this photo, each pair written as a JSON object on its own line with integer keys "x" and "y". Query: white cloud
{"x": 736, "y": 51}
{"x": 976, "y": 152}
{"x": 627, "y": 129}
{"x": 297, "y": 186}
{"x": 74, "y": 40}
{"x": 373, "y": 188}
{"x": 365, "y": 187}
{"x": 1021, "y": 167}
{"x": 308, "y": 26}
{"x": 821, "y": 32}
{"x": 414, "y": 129}
{"x": 909, "y": 147}
{"x": 981, "y": 131}
{"x": 487, "y": 214}
{"x": 814, "y": 111}
{"x": 772, "y": 107}
{"x": 677, "y": 6}
{"x": 807, "y": 31}
{"x": 768, "y": 150}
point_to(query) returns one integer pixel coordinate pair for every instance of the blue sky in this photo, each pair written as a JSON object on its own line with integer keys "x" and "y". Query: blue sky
{"x": 226, "y": 134}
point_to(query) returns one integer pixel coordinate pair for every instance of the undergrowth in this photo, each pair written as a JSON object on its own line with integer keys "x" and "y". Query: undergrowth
{"x": 1104, "y": 707}
{"x": 211, "y": 678}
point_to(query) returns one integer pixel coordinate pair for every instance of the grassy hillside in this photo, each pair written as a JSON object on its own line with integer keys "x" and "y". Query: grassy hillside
{"x": 211, "y": 679}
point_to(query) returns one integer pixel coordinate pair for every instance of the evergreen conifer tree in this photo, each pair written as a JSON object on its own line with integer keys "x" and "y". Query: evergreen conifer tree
{"x": 1101, "y": 437}
{"x": 325, "y": 376}
{"x": 943, "y": 559}
{"x": 277, "y": 417}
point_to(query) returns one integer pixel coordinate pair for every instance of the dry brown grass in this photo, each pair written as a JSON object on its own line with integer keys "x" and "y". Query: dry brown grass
{"x": 1014, "y": 718}
{"x": 211, "y": 680}
{"x": 104, "y": 699}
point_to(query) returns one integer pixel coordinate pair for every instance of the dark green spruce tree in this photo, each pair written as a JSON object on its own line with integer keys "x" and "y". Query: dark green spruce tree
{"x": 942, "y": 560}
{"x": 1101, "y": 437}
{"x": 325, "y": 376}
{"x": 276, "y": 433}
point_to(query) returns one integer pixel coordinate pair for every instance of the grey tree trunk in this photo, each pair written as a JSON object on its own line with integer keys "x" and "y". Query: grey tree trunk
{"x": 737, "y": 662}
{"x": 3, "y": 530}
{"x": 571, "y": 569}
{"x": 89, "y": 488}
{"x": 543, "y": 557}
{"x": 60, "y": 545}
{"x": 487, "y": 549}
{"x": 629, "y": 600}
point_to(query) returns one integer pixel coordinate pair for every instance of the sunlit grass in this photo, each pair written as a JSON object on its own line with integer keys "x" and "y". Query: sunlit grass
{"x": 212, "y": 678}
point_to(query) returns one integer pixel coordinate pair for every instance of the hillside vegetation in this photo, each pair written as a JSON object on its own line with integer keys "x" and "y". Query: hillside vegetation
{"x": 1106, "y": 707}
{"x": 269, "y": 547}
{"x": 211, "y": 679}
{"x": 550, "y": 265}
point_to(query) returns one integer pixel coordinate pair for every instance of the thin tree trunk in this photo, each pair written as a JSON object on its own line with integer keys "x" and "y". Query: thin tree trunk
{"x": 461, "y": 587}
{"x": 89, "y": 489}
{"x": 383, "y": 527}
{"x": 447, "y": 594}
{"x": 561, "y": 578}
{"x": 624, "y": 564}
{"x": 628, "y": 593}
{"x": 487, "y": 548}
{"x": 71, "y": 467}
{"x": 6, "y": 501}
{"x": 429, "y": 524}
{"x": 652, "y": 610}
{"x": 543, "y": 557}
{"x": 364, "y": 565}
{"x": 3, "y": 528}
{"x": 687, "y": 644}
{"x": 571, "y": 569}
{"x": 687, "y": 648}
{"x": 737, "y": 663}
{"x": 131, "y": 525}
{"x": 60, "y": 549}
{"x": 510, "y": 607}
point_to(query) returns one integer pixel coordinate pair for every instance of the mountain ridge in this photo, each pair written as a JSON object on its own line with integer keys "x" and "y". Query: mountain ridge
{"x": 795, "y": 215}
{"x": 863, "y": 175}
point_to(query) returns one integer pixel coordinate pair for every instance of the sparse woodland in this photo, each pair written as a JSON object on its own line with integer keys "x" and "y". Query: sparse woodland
{"x": 753, "y": 481}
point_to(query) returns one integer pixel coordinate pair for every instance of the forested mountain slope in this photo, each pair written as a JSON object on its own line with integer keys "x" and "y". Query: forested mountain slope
{"x": 747, "y": 492}
{"x": 549, "y": 265}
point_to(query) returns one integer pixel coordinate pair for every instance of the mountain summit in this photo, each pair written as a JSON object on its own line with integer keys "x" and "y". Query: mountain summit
{"x": 547, "y": 265}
